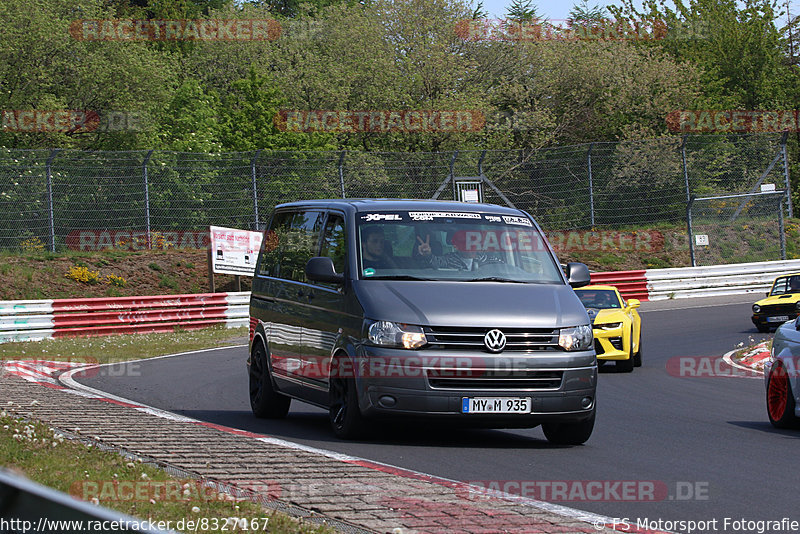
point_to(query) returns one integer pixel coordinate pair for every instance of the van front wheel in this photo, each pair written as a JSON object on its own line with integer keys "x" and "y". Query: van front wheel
{"x": 569, "y": 433}
{"x": 265, "y": 402}
{"x": 344, "y": 413}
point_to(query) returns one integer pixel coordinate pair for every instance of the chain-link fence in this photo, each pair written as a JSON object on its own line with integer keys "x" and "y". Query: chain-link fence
{"x": 736, "y": 228}
{"x": 48, "y": 196}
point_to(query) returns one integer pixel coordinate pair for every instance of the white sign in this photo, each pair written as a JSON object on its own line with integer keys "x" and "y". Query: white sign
{"x": 234, "y": 251}
{"x": 766, "y": 188}
{"x": 469, "y": 195}
{"x": 701, "y": 240}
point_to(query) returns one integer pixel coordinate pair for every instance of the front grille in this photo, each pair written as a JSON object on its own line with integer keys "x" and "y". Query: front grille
{"x": 779, "y": 309}
{"x": 495, "y": 379}
{"x": 517, "y": 339}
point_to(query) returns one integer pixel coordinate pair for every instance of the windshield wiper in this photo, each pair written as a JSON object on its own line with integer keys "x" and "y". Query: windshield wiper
{"x": 496, "y": 279}
{"x": 397, "y": 277}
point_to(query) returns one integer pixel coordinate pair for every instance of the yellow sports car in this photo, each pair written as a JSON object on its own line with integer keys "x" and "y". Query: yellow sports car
{"x": 782, "y": 303}
{"x": 616, "y": 325}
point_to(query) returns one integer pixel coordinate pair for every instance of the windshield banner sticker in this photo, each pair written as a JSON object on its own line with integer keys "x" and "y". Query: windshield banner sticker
{"x": 517, "y": 220}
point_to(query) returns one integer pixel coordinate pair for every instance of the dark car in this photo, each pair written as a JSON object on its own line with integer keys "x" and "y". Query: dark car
{"x": 419, "y": 309}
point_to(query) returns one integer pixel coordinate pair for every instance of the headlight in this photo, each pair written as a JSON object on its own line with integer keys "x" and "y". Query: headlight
{"x": 608, "y": 326}
{"x": 389, "y": 334}
{"x": 756, "y": 308}
{"x": 575, "y": 338}
{"x": 797, "y": 306}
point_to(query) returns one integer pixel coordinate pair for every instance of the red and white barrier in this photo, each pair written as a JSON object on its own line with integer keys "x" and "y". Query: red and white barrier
{"x": 29, "y": 320}
{"x": 631, "y": 284}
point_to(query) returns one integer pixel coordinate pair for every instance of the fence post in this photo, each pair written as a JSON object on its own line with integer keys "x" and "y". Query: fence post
{"x": 147, "y": 199}
{"x": 781, "y": 228}
{"x": 255, "y": 189}
{"x": 50, "y": 214}
{"x": 786, "y": 177}
{"x": 685, "y": 170}
{"x": 452, "y": 176}
{"x": 341, "y": 172}
{"x": 591, "y": 187}
{"x": 689, "y": 227}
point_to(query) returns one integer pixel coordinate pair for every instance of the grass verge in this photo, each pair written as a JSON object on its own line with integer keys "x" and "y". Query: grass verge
{"x": 111, "y": 349}
{"x": 120, "y": 483}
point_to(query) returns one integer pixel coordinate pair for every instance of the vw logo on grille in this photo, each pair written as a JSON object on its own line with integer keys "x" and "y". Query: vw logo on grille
{"x": 494, "y": 340}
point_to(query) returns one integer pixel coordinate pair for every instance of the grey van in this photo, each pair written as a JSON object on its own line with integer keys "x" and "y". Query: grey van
{"x": 417, "y": 308}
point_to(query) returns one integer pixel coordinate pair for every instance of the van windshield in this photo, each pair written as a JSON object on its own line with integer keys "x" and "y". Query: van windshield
{"x": 410, "y": 245}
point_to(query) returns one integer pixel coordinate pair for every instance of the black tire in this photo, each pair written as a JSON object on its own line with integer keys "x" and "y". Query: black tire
{"x": 343, "y": 411}
{"x": 626, "y": 366}
{"x": 637, "y": 358}
{"x": 569, "y": 433}
{"x": 780, "y": 400}
{"x": 265, "y": 402}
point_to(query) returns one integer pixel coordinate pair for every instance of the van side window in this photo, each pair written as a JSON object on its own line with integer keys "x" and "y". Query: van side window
{"x": 269, "y": 259}
{"x": 293, "y": 237}
{"x": 333, "y": 241}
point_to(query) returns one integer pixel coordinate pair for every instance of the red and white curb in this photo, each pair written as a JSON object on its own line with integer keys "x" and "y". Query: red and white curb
{"x": 54, "y": 374}
{"x": 751, "y": 361}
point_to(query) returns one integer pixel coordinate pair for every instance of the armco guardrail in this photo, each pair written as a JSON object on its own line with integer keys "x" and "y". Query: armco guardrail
{"x": 719, "y": 280}
{"x": 31, "y": 507}
{"x": 29, "y": 320}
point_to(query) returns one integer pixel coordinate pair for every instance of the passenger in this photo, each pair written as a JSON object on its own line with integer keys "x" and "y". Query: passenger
{"x": 461, "y": 260}
{"x": 373, "y": 251}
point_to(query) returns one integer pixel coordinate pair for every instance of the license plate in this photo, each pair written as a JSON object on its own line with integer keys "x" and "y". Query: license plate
{"x": 496, "y": 405}
{"x": 778, "y": 319}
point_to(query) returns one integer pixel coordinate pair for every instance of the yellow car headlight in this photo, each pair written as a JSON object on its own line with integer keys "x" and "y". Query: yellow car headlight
{"x": 608, "y": 326}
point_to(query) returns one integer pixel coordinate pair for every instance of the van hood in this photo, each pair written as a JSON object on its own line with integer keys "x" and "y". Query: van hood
{"x": 471, "y": 304}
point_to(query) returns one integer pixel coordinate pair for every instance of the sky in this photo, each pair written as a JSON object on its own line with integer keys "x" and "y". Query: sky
{"x": 559, "y": 10}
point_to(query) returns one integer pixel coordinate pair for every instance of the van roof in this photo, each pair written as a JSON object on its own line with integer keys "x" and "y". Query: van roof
{"x": 398, "y": 204}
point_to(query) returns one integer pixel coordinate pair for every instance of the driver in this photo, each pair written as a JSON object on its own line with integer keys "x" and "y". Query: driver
{"x": 373, "y": 253}
{"x": 794, "y": 284}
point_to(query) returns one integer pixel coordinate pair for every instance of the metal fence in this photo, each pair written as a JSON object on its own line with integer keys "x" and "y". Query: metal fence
{"x": 48, "y": 195}
{"x": 736, "y": 228}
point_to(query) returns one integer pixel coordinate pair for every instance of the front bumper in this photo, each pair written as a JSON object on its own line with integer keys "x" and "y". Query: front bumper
{"x": 394, "y": 382}
{"x": 611, "y": 344}
{"x": 763, "y": 319}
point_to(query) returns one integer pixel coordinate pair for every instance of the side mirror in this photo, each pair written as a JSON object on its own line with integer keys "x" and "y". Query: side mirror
{"x": 321, "y": 269}
{"x": 578, "y": 274}
{"x": 634, "y": 303}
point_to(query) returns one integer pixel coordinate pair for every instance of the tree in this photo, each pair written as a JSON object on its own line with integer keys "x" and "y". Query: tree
{"x": 583, "y": 15}
{"x": 522, "y": 11}
{"x": 190, "y": 123}
{"x": 44, "y": 67}
{"x": 738, "y": 49}
{"x": 247, "y": 121}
